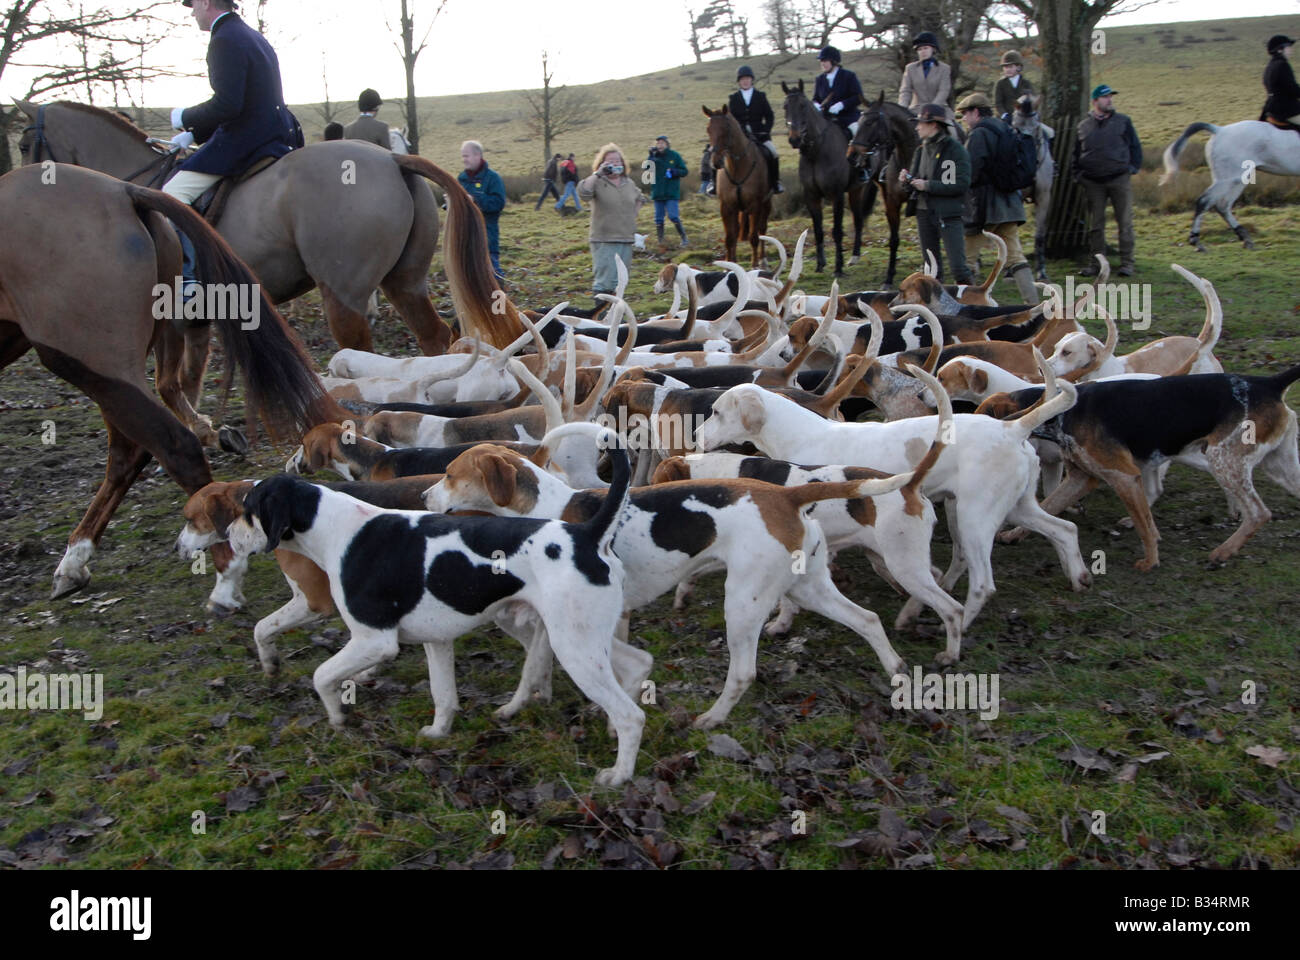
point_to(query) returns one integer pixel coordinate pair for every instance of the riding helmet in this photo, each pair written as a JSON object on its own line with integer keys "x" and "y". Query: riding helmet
{"x": 744, "y": 71}
{"x": 830, "y": 53}
{"x": 1278, "y": 41}
{"x": 927, "y": 39}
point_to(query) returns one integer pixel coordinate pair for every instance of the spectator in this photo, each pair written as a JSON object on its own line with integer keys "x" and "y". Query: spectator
{"x": 666, "y": 188}
{"x": 367, "y": 127}
{"x": 754, "y": 114}
{"x": 1283, "y": 102}
{"x": 615, "y": 200}
{"x": 941, "y": 180}
{"x": 569, "y": 176}
{"x": 927, "y": 79}
{"x": 706, "y": 170}
{"x": 1107, "y": 153}
{"x": 333, "y": 130}
{"x": 989, "y": 143}
{"x": 488, "y": 190}
{"x": 1008, "y": 90}
{"x": 548, "y": 181}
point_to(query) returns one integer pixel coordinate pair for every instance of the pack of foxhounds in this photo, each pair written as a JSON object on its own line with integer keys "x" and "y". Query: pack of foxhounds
{"x": 553, "y": 488}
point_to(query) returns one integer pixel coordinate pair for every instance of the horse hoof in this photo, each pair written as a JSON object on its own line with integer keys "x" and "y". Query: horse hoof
{"x": 65, "y": 584}
{"x": 232, "y": 440}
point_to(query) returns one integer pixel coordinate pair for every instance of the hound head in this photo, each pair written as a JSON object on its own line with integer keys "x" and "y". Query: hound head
{"x": 274, "y": 510}
{"x": 209, "y": 514}
{"x": 1075, "y": 352}
{"x": 961, "y": 381}
{"x": 489, "y": 478}
{"x": 920, "y": 288}
{"x": 738, "y": 415}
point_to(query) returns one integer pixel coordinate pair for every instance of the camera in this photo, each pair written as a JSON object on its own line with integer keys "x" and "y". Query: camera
{"x": 607, "y": 169}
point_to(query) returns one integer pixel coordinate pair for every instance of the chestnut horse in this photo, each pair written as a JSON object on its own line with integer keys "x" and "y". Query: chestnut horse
{"x": 743, "y": 190}
{"x": 79, "y": 262}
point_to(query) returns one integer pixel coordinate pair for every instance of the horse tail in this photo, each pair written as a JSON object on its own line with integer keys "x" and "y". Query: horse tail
{"x": 281, "y": 385}
{"x": 482, "y": 306}
{"x": 1174, "y": 149}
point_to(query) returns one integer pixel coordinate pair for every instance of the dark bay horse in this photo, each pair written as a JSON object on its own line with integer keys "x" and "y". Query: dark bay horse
{"x": 824, "y": 174}
{"x": 742, "y": 187}
{"x": 79, "y": 261}
{"x": 339, "y": 215}
{"x": 884, "y": 145}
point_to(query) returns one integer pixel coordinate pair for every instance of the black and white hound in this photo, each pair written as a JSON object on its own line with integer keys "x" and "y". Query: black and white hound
{"x": 404, "y": 576}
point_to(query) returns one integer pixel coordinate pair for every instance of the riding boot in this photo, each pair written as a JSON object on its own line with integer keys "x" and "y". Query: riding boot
{"x": 774, "y": 172}
{"x": 1024, "y": 278}
{"x": 659, "y": 229}
{"x": 681, "y": 231}
{"x": 189, "y": 278}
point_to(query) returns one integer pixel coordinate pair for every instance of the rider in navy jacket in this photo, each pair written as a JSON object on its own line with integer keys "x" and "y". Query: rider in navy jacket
{"x": 246, "y": 119}
{"x": 844, "y": 90}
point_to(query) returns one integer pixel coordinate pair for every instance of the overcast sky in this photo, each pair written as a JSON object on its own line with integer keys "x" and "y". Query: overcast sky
{"x": 482, "y": 45}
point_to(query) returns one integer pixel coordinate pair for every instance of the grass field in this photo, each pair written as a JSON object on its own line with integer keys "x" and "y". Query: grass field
{"x": 1126, "y": 699}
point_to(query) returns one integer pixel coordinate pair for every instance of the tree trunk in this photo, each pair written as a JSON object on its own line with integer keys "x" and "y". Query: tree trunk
{"x": 412, "y": 115}
{"x": 1065, "y": 39}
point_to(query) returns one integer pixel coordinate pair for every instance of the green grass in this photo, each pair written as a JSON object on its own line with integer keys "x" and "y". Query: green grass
{"x": 1139, "y": 664}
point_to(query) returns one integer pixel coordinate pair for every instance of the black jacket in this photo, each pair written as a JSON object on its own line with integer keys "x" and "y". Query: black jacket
{"x": 756, "y": 118}
{"x": 1106, "y": 149}
{"x": 246, "y": 119}
{"x": 1283, "y": 92}
{"x": 847, "y": 91}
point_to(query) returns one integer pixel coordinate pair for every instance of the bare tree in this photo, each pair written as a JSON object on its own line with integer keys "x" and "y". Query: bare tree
{"x": 694, "y": 38}
{"x": 111, "y": 43}
{"x": 327, "y": 109}
{"x": 410, "y": 51}
{"x": 785, "y": 26}
{"x": 553, "y": 112}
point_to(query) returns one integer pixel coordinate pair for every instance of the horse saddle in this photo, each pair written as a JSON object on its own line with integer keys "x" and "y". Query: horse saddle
{"x": 212, "y": 204}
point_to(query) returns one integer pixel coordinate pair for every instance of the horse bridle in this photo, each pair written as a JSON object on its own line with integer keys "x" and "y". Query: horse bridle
{"x": 39, "y": 142}
{"x": 719, "y": 162}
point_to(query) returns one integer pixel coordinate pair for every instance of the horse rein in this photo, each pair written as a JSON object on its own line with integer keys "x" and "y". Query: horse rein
{"x": 39, "y": 142}
{"x": 41, "y": 149}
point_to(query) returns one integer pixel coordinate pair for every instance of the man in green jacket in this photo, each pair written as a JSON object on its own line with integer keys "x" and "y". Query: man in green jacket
{"x": 666, "y": 189}
{"x": 940, "y": 176}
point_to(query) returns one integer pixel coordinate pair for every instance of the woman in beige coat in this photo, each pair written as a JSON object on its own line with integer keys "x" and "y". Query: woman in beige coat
{"x": 927, "y": 79}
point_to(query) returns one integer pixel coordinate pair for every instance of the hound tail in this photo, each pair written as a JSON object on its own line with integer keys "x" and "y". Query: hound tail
{"x": 606, "y": 521}
{"x": 1174, "y": 149}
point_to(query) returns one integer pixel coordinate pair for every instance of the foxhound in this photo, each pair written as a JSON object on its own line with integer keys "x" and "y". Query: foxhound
{"x": 400, "y": 576}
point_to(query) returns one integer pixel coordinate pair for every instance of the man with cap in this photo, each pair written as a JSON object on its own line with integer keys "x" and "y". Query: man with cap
{"x": 1012, "y": 86}
{"x": 927, "y": 79}
{"x": 367, "y": 126}
{"x": 1107, "y": 153}
{"x": 940, "y": 176}
{"x": 666, "y": 189}
{"x": 837, "y": 92}
{"x": 1283, "y": 102}
{"x": 988, "y": 141}
{"x": 754, "y": 114}
{"x": 245, "y": 121}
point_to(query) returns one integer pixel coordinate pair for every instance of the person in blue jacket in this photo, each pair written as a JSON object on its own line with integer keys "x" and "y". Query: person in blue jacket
{"x": 488, "y": 191}
{"x": 246, "y": 119}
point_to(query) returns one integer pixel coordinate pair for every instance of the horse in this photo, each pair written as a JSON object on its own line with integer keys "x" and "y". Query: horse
{"x": 884, "y": 145}
{"x": 1026, "y": 121}
{"x": 1234, "y": 152}
{"x": 742, "y": 185}
{"x": 824, "y": 172}
{"x": 72, "y": 230}
{"x": 338, "y": 215}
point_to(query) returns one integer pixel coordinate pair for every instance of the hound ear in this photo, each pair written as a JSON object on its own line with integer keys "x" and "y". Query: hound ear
{"x": 671, "y": 470}
{"x": 223, "y": 510}
{"x": 274, "y": 513}
{"x": 980, "y": 381}
{"x": 498, "y": 479}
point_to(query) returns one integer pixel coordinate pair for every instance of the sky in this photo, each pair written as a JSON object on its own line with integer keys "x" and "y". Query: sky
{"x": 484, "y": 45}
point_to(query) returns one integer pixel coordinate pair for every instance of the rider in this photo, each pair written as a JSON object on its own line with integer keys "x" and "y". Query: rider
{"x": 927, "y": 79}
{"x": 367, "y": 126}
{"x": 1283, "y": 102}
{"x": 246, "y": 119}
{"x": 837, "y": 94}
{"x": 754, "y": 114}
{"x": 1008, "y": 90}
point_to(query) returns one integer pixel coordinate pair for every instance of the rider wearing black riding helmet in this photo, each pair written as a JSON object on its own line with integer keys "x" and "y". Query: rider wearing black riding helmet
{"x": 1283, "y": 102}
{"x": 754, "y": 114}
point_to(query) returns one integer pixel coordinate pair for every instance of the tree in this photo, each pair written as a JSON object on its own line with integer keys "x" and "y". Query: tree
{"x": 718, "y": 28}
{"x": 785, "y": 26}
{"x": 553, "y": 112}
{"x": 111, "y": 44}
{"x": 694, "y": 38}
{"x": 410, "y": 52}
{"x": 328, "y": 110}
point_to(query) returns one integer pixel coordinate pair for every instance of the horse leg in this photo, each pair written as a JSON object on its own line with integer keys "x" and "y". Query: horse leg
{"x": 194, "y": 364}
{"x": 138, "y": 426}
{"x": 347, "y": 324}
{"x": 178, "y": 381}
{"x": 837, "y": 232}
{"x": 730, "y": 231}
{"x": 1202, "y": 205}
{"x": 893, "y": 207}
{"x": 1226, "y": 201}
{"x": 815, "y": 210}
{"x": 411, "y": 298}
{"x": 856, "y": 207}
{"x": 12, "y": 343}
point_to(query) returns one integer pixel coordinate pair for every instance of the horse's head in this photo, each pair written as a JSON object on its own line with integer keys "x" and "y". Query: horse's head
{"x": 799, "y": 112}
{"x": 81, "y": 134}
{"x": 722, "y": 128}
{"x": 1025, "y": 117}
{"x": 870, "y": 145}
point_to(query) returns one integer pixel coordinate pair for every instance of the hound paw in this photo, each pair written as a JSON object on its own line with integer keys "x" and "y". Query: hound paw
{"x": 609, "y": 777}
{"x": 1146, "y": 565}
{"x": 945, "y": 659}
{"x": 435, "y": 731}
